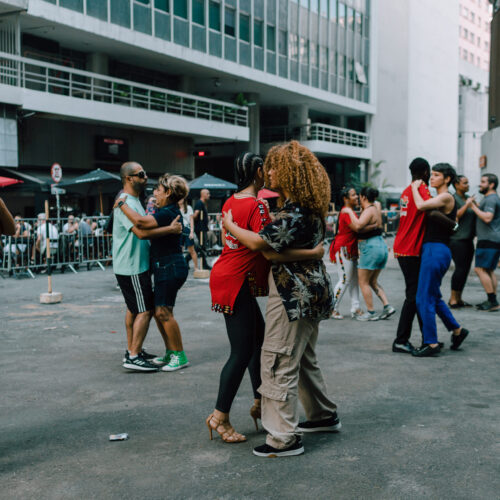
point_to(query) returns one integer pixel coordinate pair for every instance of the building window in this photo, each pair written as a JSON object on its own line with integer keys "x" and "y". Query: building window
{"x": 466, "y": 33}
{"x": 466, "y": 12}
{"x": 282, "y": 43}
{"x": 472, "y": 37}
{"x": 486, "y": 46}
{"x": 214, "y": 15}
{"x": 293, "y": 46}
{"x": 323, "y": 57}
{"x": 198, "y": 12}
{"x": 258, "y": 33}
{"x": 479, "y": 22}
{"x": 230, "y": 22}
{"x": 323, "y": 7}
{"x": 479, "y": 62}
{"x": 473, "y": 17}
{"x": 342, "y": 14}
{"x": 350, "y": 18}
{"x": 465, "y": 54}
{"x": 314, "y": 5}
{"x": 245, "y": 27}
{"x": 162, "y": 5}
{"x": 333, "y": 10}
{"x": 313, "y": 52}
{"x": 271, "y": 38}
{"x": 144, "y": 2}
{"x": 471, "y": 58}
{"x": 479, "y": 41}
{"x": 180, "y": 8}
{"x": 304, "y": 50}
{"x": 359, "y": 23}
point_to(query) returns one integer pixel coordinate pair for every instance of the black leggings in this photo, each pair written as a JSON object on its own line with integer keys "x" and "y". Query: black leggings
{"x": 462, "y": 252}
{"x": 245, "y": 329}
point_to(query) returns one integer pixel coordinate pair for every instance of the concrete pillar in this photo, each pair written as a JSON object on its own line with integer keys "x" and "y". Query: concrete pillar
{"x": 494, "y": 108}
{"x": 186, "y": 84}
{"x": 97, "y": 62}
{"x": 254, "y": 122}
{"x": 298, "y": 116}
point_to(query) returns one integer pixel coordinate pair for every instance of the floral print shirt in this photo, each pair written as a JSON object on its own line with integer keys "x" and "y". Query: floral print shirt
{"x": 305, "y": 287}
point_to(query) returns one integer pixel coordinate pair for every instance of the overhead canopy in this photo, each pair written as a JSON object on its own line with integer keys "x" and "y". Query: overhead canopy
{"x": 104, "y": 181}
{"x": 7, "y": 181}
{"x": 207, "y": 181}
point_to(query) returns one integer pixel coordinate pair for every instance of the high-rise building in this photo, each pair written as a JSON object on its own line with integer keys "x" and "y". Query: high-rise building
{"x": 417, "y": 91}
{"x": 474, "y": 52}
{"x": 490, "y": 142}
{"x": 90, "y": 83}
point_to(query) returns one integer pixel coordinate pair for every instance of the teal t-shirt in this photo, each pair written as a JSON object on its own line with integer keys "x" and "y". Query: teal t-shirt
{"x": 130, "y": 254}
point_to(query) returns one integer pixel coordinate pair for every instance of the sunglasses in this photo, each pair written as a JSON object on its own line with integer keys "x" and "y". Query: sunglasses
{"x": 141, "y": 175}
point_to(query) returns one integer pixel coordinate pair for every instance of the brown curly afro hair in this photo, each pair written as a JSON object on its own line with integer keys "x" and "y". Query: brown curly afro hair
{"x": 299, "y": 172}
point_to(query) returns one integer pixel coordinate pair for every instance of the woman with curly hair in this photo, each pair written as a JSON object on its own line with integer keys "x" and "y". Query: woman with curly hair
{"x": 238, "y": 276}
{"x": 300, "y": 296}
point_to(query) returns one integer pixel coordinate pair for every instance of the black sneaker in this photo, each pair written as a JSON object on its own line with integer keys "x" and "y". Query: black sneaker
{"x": 146, "y": 355}
{"x": 331, "y": 424}
{"x": 487, "y": 305}
{"x": 268, "y": 451}
{"x": 405, "y": 348}
{"x": 426, "y": 351}
{"x": 456, "y": 340}
{"x": 139, "y": 364}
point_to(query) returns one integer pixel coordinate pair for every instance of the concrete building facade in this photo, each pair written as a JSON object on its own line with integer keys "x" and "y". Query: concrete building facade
{"x": 87, "y": 83}
{"x": 417, "y": 93}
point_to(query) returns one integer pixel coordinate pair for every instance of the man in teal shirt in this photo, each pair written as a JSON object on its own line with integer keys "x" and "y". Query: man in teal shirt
{"x": 131, "y": 266}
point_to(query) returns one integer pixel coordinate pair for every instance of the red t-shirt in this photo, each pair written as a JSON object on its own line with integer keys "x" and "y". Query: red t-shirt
{"x": 345, "y": 237}
{"x": 410, "y": 235}
{"x": 237, "y": 263}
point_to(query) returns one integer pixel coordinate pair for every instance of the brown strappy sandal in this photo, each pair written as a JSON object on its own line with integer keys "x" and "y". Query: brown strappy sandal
{"x": 224, "y": 429}
{"x": 256, "y": 412}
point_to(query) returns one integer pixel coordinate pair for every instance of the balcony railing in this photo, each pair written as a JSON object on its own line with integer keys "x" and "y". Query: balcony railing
{"x": 316, "y": 132}
{"x": 63, "y": 81}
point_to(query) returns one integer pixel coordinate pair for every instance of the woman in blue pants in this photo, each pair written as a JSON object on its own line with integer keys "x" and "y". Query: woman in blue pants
{"x": 436, "y": 258}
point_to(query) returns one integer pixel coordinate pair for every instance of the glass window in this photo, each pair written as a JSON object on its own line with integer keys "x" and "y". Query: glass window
{"x": 271, "y": 38}
{"x": 314, "y": 5}
{"x": 98, "y": 9}
{"x": 245, "y": 6}
{"x": 350, "y": 18}
{"x": 230, "y": 22}
{"x": 162, "y": 5}
{"x": 465, "y": 54}
{"x": 304, "y": 50}
{"x": 341, "y": 62}
{"x": 293, "y": 46}
{"x": 180, "y": 8}
{"x": 479, "y": 41}
{"x": 144, "y": 2}
{"x": 472, "y": 37}
{"x": 342, "y": 14}
{"x": 120, "y": 12}
{"x": 305, "y": 3}
{"x": 323, "y": 57}
{"x": 323, "y": 7}
{"x": 359, "y": 23}
{"x": 472, "y": 17}
{"x": 214, "y": 15}
{"x": 198, "y": 7}
{"x": 258, "y": 33}
{"x": 72, "y": 4}
{"x": 313, "y": 52}
{"x": 466, "y": 33}
{"x": 282, "y": 42}
{"x": 244, "y": 27}
{"x": 333, "y": 10}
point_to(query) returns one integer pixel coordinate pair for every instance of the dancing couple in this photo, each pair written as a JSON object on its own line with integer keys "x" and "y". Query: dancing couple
{"x": 280, "y": 354}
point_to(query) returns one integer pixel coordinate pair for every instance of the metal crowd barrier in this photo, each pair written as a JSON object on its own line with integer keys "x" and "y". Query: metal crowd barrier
{"x": 25, "y": 255}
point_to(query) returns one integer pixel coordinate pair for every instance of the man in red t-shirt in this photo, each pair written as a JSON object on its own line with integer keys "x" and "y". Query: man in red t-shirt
{"x": 407, "y": 246}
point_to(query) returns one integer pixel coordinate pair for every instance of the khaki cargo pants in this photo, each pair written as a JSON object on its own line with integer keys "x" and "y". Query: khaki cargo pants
{"x": 289, "y": 369}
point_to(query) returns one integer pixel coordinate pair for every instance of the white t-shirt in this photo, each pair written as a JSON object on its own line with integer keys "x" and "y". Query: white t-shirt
{"x": 53, "y": 235}
{"x": 186, "y": 216}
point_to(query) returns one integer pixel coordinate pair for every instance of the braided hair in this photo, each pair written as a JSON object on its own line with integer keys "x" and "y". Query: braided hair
{"x": 246, "y": 166}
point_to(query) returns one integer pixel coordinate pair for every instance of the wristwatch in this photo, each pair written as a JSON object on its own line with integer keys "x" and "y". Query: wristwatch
{"x": 121, "y": 203}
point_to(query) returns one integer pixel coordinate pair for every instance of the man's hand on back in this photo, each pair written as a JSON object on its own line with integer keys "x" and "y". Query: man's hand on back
{"x": 176, "y": 225}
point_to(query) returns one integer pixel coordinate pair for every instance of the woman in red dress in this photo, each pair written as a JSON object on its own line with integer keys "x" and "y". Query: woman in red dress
{"x": 238, "y": 276}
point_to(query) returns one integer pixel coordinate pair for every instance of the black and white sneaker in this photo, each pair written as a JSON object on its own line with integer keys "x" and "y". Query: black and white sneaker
{"x": 290, "y": 451}
{"x": 331, "y": 424}
{"x": 139, "y": 364}
{"x": 144, "y": 354}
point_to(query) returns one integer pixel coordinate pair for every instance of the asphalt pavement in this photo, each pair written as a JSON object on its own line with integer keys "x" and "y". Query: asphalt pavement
{"x": 412, "y": 428}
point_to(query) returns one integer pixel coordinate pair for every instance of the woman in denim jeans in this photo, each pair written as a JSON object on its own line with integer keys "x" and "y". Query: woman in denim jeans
{"x": 168, "y": 265}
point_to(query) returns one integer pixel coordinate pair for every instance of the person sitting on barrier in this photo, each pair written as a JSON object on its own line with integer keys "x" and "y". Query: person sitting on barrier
{"x": 7, "y": 223}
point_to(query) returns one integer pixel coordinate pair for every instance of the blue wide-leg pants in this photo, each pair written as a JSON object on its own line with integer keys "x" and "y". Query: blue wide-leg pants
{"x": 436, "y": 259}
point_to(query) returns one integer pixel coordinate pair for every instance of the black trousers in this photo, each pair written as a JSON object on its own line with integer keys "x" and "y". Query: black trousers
{"x": 245, "y": 329}
{"x": 462, "y": 253}
{"x": 411, "y": 269}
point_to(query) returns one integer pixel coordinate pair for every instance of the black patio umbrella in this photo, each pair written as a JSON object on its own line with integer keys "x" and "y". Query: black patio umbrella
{"x": 105, "y": 182}
{"x": 219, "y": 188}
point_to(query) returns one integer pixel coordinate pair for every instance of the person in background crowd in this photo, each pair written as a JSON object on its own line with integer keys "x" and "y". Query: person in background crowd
{"x": 41, "y": 238}
{"x": 373, "y": 254}
{"x": 300, "y": 296}
{"x": 238, "y": 276}
{"x": 462, "y": 242}
{"x": 131, "y": 266}
{"x": 188, "y": 231}
{"x": 200, "y": 217}
{"x": 407, "y": 249}
{"x": 436, "y": 258}
{"x": 170, "y": 269}
{"x": 7, "y": 223}
{"x": 344, "y": 253}
{"x": 488, "y": 240}
{"x": 71, "y": 227}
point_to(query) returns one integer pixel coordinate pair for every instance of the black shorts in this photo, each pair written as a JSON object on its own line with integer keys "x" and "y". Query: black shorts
{"x": 170, "y": 273}
{"x": 137, "y": 292}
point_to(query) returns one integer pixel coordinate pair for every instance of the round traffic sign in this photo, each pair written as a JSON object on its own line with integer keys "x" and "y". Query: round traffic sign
{"x": 56, "y": 172}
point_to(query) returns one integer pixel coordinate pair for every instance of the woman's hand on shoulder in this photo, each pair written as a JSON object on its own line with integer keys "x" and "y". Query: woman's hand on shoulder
{"x": 417, "y": 183}
{"x": 319, "y": 251}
